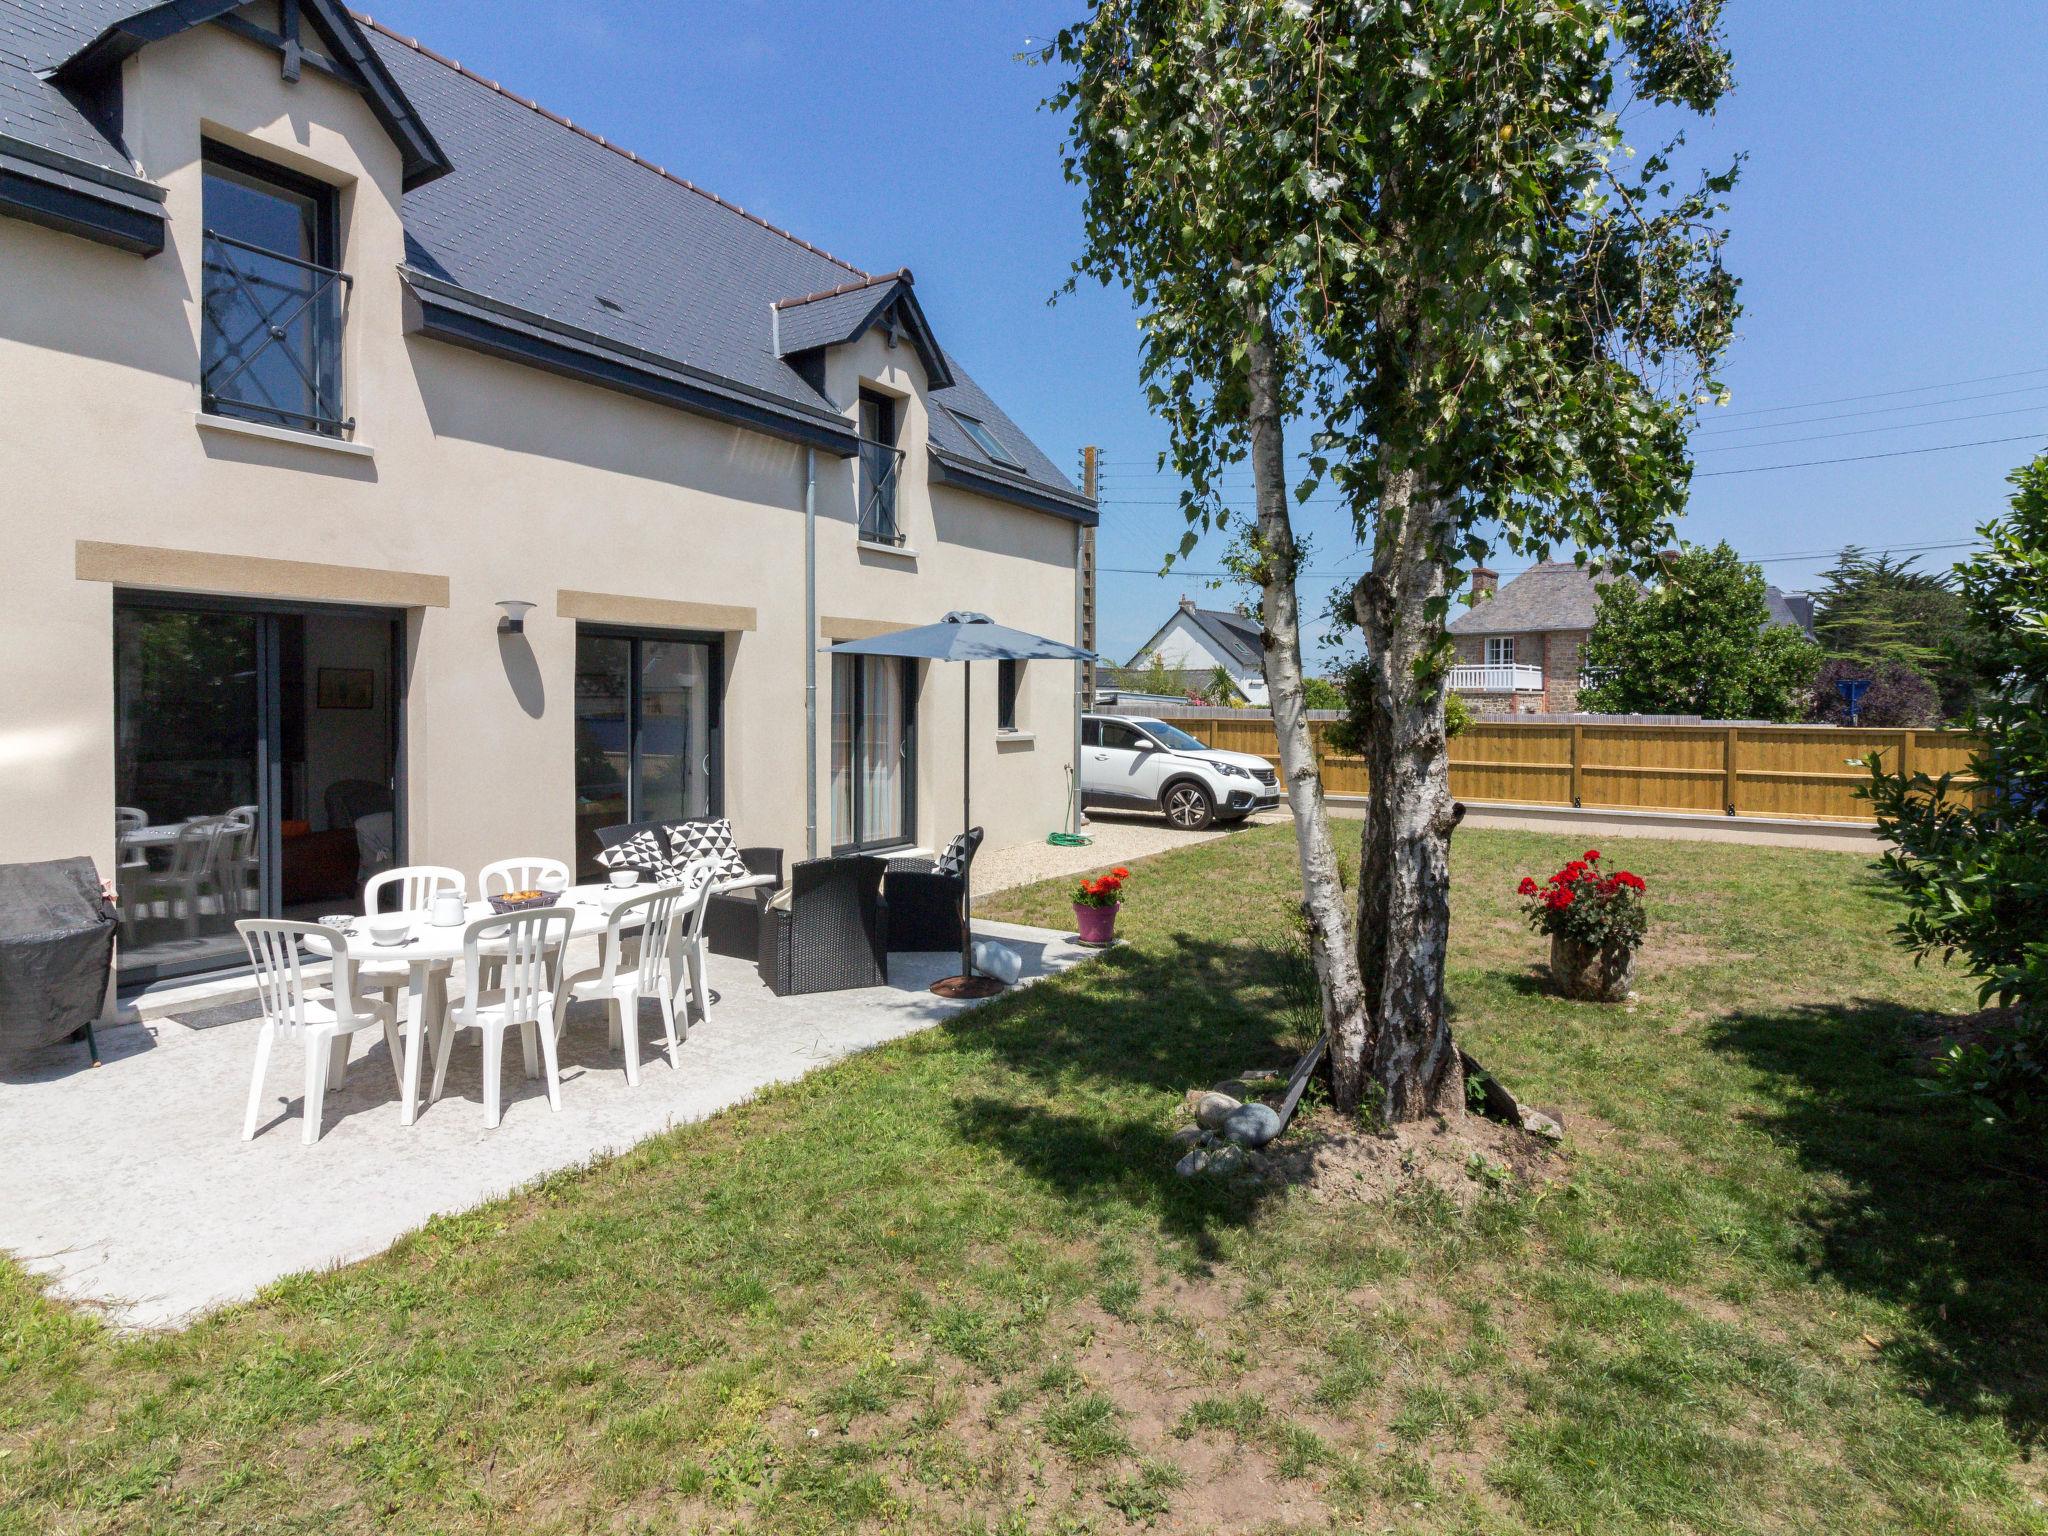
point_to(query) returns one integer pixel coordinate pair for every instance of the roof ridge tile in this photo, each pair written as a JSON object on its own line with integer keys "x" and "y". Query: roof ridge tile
{"x": 871, "y": 280}
{"x": 598, "y": 139}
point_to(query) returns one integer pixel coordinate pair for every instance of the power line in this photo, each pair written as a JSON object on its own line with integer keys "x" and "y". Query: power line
{"x": 1710, "y": 428}
{"x": 1897, "y": 426}
{"x": 1887, "y": 394}
{"x": 1863, "y": 458}
{"x": 1816, "y": 554}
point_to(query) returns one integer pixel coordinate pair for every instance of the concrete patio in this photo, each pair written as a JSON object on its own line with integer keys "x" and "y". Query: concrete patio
{"x": 130, "y": 1188}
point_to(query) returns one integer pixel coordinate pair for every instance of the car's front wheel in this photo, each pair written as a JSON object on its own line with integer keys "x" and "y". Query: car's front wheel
{"x": 1188, "y": 806}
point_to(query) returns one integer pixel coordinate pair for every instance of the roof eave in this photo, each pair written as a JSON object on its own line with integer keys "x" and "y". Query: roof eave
{"x": 79, "y": 198}
{"x": 447, "y": 312}
{"x": 893, "y": 292}
{"x": 100, "y": 60}
{"x": 950, "y": 469}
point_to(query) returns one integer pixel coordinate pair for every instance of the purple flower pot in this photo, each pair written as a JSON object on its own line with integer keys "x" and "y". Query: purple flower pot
{"x": 1097, "y": 924}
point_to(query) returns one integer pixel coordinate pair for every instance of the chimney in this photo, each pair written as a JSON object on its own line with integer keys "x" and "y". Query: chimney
{"x": 1187, "y": 604}
{"x": 1484, "y": 583}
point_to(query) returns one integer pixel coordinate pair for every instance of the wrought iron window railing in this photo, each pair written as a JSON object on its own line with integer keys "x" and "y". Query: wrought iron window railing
{"x": 271, "y": 337}
{"x": 880, "y": 470}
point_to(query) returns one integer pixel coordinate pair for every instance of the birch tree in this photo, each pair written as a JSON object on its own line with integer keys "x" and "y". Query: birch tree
{"x": 1414, "y": 228}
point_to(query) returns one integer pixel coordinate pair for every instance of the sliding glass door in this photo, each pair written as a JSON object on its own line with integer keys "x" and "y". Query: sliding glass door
{"x": 647, "y": 731}
{"x": 874, "y": 752}
{"x": 255, "y": 771}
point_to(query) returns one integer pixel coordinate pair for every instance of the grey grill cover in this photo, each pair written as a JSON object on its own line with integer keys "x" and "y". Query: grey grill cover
{"x": 56, "y": 952}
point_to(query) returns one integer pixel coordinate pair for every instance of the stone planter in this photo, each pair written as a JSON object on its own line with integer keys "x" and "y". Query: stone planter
{"x": 1592, "y": 975}
{"x": 1097, "y": 925}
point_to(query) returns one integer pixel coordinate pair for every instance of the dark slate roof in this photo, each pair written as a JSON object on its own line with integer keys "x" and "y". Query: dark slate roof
{"x": 1239, "y": 637}
{"x": 1554, "y": 595}
{"x": 548, "y": 221}
{"x": 1235, "y": 637}
{"x": 1792, "y": 610}
{"x": 35, "y": 37}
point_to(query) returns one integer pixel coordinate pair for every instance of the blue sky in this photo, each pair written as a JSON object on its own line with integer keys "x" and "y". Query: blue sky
{"x": 1891, "y": 232}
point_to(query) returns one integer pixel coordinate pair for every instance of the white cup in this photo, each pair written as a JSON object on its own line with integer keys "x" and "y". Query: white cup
{"x": 625, "y": 879}
{"x": 555, "y": 881}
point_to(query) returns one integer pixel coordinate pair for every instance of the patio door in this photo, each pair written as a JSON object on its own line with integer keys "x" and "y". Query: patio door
{"x": 647, "y": 730}
{"x": 874, "y": 752}
{"x": 256, "y": 765}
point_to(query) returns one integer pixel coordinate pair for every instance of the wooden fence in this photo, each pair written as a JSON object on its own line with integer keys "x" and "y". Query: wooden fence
{"x": 1808, "y": 772}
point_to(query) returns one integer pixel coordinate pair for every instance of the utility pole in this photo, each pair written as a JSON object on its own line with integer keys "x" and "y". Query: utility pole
{"x": 1084, "y": 627}
{"x": 1091, "y": 465}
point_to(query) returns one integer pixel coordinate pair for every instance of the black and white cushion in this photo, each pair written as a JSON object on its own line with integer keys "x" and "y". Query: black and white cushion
{"x": 642, "y": 851}
{"x": 953, "y": 861}
{"x": 690, "y": 841}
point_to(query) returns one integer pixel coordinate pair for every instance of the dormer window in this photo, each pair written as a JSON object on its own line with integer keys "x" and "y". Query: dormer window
{"x": 274, "y": 304}
{"x": 881, "y": 464}
{"x": 984, "y": 439}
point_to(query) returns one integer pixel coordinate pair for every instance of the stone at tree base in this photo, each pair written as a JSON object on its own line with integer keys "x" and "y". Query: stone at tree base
{"x": 1261, "y": 1077}
{"x": 1224, "y": 1161}
{"x": 1192, "y": 1136}
{"x": 1231, "y": 1088}
{"x": 1252, "y": 1125}
{"x": 1212, "y": 1109}
{"x": 1537, "y": 1123}
{"x": 1192, "y": 1164}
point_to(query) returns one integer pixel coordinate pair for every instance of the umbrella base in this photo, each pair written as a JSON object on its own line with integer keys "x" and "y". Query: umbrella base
{"x": 967, "y": 986}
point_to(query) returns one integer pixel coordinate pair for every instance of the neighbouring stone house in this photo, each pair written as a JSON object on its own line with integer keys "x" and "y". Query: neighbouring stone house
{"x": 1519, "y": 644}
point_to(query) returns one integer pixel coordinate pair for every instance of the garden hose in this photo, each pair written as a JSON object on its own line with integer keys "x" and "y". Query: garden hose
{"x": 1070, "y": 839}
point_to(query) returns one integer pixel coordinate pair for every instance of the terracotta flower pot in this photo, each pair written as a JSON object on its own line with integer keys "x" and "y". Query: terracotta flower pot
{"x": 1591, "y": 974}
{"x": 1096, "y": 924}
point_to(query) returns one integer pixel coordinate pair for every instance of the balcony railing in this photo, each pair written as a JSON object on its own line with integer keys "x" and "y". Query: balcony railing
{"x": 271, "y": 348}
{"x": 1509, "y": 677}
{"x": 880, "y": 469}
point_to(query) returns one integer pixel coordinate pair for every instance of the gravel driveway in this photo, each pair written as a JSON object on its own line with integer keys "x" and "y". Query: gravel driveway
{"x": 1119, "y": 838}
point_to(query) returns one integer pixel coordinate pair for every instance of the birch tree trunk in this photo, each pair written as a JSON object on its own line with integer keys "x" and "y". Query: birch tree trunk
{"x": 1322, "y": 887}
{"x": 1404, "y": 911}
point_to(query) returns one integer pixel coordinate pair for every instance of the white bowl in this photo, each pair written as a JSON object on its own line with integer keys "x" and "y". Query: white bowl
{"x": 625, "y": 879}
{"x": 389, "y": 927}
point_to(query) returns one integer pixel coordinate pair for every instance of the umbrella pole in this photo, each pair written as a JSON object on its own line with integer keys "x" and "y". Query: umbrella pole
{"x": 966, "y": 815}
{"x": 967, "y": 983}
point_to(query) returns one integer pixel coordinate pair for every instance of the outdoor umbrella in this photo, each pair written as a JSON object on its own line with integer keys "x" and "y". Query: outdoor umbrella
{"x": 965, "y": 638}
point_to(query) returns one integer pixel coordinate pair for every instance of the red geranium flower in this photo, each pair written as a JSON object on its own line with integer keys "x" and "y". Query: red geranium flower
{"x": 1121, "y": 873}
{"x": 1527, "y": 887}
{"x": 1592, "y": 855}
{"x": 1633, "y": 882}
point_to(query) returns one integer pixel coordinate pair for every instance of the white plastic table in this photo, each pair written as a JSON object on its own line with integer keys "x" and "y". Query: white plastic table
{"x": 428, "y": 947}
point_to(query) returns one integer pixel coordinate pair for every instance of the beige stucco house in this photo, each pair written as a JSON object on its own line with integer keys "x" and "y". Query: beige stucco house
{"x": 321, "y": 356}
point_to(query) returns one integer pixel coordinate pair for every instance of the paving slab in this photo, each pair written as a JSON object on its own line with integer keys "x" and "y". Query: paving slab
{"x": 130, "y": 1189}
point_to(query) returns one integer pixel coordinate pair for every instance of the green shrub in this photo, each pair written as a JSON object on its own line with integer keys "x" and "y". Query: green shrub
{"x": 1974, "y": 866}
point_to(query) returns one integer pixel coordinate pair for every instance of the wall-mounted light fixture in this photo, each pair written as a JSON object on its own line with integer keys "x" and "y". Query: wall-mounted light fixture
{"x": 515, "y": 611}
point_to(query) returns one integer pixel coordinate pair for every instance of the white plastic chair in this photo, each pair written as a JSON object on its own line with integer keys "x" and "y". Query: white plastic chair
{"x": 323, "y": 1021}
{"x": 503, "y": 877}
{"x": 620, "y": 982}
{"x": 234, "y": 864}
{"x": 418, "y": 885}
{"x": 518, "y": 875}
{"x": 699, "y": 880}
{"x": 529, "y": 968}
{"x": 190, "y": 871}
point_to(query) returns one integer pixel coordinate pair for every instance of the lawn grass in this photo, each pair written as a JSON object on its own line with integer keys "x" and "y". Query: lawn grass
{"x": 953, "y": 1285}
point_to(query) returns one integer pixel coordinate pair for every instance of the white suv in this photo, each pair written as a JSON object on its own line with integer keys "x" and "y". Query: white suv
{"x": 1131, "y": 763}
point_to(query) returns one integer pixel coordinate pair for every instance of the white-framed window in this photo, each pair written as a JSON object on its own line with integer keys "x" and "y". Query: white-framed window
{"x": 1500, "y": 650}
